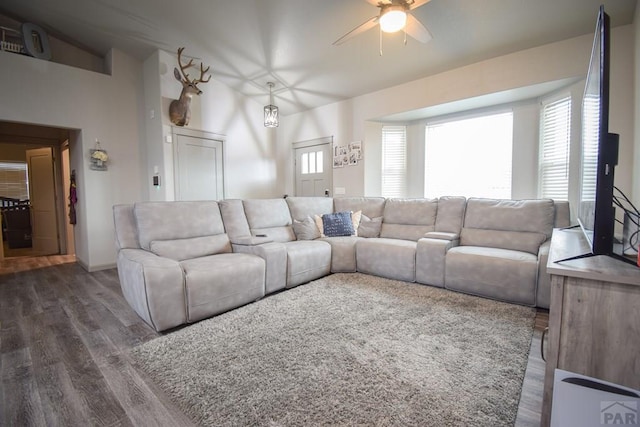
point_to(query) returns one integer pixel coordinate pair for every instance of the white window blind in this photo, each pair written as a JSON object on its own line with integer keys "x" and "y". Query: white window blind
{"x": 470, "y": 157}
{"x": 555, "y": 136}
{"x": 13, "y": 180}
{"x": 394, "y": 161}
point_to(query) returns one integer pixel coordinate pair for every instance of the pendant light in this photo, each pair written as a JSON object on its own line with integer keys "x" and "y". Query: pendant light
{"x": 271, "y": 111}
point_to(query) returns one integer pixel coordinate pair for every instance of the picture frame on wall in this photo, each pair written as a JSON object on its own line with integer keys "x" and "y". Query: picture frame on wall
{"x": 355, "y": 148}
{"x": 340, "y": 157}
{"x": 347, "y": 155}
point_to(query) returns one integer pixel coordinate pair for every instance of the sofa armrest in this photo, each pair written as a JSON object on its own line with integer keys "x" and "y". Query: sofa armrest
{"x": 251, "y": 240}
{"x": 543, "y": 292}
{"x": 275, "y": 257}
{"x": 154, "y": 287}
{"x": 430, "y": 258}
{"x": 441, "y": 235}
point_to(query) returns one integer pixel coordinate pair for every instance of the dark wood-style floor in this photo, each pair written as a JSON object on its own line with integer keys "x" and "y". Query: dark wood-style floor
{"x": 64, "y": 340}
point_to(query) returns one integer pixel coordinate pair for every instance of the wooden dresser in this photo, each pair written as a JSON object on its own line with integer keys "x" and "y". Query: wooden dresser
{"x": 594, "y": 318}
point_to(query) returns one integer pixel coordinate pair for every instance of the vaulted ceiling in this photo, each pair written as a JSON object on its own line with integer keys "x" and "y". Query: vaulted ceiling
{"x": 250, "y": 42}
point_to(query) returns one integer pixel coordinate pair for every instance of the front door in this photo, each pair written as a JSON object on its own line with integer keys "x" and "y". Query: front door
{"x": 42, "y": 196}
{"x": 313, "y": 170}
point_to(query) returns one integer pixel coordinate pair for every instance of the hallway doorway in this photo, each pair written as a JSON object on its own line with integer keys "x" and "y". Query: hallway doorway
{"x": 36, "y": 163}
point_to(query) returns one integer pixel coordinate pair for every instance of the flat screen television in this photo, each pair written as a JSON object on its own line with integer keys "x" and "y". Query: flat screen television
{"x": 596, "y": 212}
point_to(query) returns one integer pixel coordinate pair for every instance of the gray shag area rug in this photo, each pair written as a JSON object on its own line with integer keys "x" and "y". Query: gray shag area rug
{"x": 349, "y": 349}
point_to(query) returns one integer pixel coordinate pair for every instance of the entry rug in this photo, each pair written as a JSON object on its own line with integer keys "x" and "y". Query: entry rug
{"x": 349, "y": 349}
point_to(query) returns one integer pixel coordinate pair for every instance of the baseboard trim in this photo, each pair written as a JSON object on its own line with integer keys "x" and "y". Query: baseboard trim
{"x": 94, "y": 268}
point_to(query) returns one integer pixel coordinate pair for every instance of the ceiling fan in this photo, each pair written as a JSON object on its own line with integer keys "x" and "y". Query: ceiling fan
{"x": 394, "y": 16}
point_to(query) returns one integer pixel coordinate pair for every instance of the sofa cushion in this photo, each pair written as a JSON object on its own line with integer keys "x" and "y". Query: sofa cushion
{"x": 370, "y": 206}
{"x": 520, "y": 225}
{"x": 302, "y": 207}
{"x": 514, "y": 240}
{"x": 269, "y": 217}
{"x": 369, "y": 227}
{"x": 535, "y": 216}
{"x": 343, "y": 253}
{"x": 181, "y": 249}
{"x": 491, "y": 272}
{"x": 391, "y": 258}
{"x": 267, "y": 213}
{"x": 176, "y": 220}
{"x": 307, "y": 260}
{"x": 306, "y": 229}
{"x": 563, "y": 214}
{"x": 235, "y": 221}
{"x": 450, "y": 215}
{"x": 408, "y": 219}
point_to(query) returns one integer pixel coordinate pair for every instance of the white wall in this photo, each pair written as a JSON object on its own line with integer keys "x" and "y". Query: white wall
{"x": 106, "y": 107}
{"x": 621, "y": 103}
{"x": 636, "y": 116}
{"x": 556, "y": 61}
{"x": 249, "y": 147}
{"x": 332, "y": 120}
{"x": 373, "y": 155}
{"x": 153, "y": 132}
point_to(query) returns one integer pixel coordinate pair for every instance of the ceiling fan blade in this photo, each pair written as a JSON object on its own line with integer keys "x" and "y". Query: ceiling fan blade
{"x": 416, "y": 30}
{"x": 417, "y": 3}
{"x": 373, "y": 2}
{"x": 369, "y": 24}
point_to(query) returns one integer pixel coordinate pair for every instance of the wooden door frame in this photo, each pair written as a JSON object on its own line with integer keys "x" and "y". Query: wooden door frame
{"x": 326, "y": 140}
{"x": 56, "y": 145}
{"x": 194, "y": 133}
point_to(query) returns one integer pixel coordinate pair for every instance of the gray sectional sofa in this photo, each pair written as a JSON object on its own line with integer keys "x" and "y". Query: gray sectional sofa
{"x": 180, "y": 262}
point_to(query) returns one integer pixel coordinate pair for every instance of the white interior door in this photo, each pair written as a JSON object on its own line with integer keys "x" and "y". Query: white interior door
{"x": 313, "y": 170}
{"x": 42, "y": 196}
{"x": 199, "y": 168}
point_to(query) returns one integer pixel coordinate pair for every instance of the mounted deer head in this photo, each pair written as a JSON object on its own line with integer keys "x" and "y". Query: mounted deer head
{"x": 179, "y": 111}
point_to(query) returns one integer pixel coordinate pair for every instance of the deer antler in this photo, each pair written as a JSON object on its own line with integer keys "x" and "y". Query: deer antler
{"x": 184, "y": 67}
{"x": 202, "y": 71}
{"x": 188, "y": 65}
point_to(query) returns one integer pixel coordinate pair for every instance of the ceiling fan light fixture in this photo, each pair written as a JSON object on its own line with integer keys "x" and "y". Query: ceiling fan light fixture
{"x": 393, "y": 18}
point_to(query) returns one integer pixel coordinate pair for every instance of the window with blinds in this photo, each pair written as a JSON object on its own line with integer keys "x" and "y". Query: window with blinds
{"x": 13, "y": 180}
{"x": 394, "y": 161}
{"x": 555, "y": 136}
{"x": 470, "y": 157}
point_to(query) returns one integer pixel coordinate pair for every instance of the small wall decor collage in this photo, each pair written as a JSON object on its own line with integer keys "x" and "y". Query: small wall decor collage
{"x": 347, "y": 155}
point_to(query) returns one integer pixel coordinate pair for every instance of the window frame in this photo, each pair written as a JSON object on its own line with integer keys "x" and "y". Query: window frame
{"x": 545, "y": 102}
{"x": 469, "y": 115}
{"x": 394, "y": 172}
